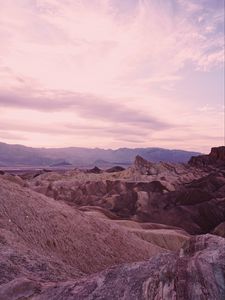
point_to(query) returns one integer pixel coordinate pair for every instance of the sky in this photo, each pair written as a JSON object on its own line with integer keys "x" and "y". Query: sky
{"x": 112, "y": 73}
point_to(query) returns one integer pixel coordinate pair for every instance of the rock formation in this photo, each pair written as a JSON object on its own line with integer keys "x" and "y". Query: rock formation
{"x": 94, "y": 170}
{"x": 197, "y": 207}
{"x": 216, "y": 158}
{"x": 117, "y": 234}
{"x": 197, "y": 271}
{"x": 219, "y": 230}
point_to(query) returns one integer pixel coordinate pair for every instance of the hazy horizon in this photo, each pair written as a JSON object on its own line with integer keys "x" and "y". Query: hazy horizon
{"x": 39, "y": 147}
{"x": 112, "y": 74}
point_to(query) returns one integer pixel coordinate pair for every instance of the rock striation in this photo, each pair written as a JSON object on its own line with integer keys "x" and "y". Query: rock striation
{"x": 197, "y": 271}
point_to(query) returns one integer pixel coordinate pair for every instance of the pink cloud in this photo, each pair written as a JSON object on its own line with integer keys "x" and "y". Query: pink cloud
{"x": 114, "y": 63}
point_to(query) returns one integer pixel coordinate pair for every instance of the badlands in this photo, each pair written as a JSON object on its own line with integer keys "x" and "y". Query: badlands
{"x": 151, "y": 231}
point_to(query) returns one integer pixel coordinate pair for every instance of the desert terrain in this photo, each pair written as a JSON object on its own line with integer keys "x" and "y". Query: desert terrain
{"x": 153, "y": 230}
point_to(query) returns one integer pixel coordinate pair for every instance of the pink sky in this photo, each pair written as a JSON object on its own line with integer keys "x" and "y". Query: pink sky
{"x": 110, "y": 73}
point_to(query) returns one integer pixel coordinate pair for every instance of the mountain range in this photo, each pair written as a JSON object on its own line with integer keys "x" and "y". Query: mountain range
{"x": 19, "y": 155}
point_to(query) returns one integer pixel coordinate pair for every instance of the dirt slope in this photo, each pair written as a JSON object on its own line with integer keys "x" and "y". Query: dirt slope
{"x": 35, "y": 227}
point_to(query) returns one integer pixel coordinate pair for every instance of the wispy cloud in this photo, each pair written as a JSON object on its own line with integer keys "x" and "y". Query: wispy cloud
{"x": 86, "y": 106}
{"x": 89, "y": 46}
{"x": 107, "y": 61}
{"x": 15, "y": 130}
{"x": 8, "y": 136}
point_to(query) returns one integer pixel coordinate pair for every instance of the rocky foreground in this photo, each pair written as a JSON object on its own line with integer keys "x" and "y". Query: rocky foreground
{"x": 152, "y": 231}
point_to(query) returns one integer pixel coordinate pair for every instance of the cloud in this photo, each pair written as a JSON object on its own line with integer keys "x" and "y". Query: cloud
{"x": 205, "y": 138}
{"x": 86, "y": 106}
{"x": 88, "y": 46}
{"x": 108, "y": 63}
{"x": 10, "y": 130}
{"x": 6, "y": 135}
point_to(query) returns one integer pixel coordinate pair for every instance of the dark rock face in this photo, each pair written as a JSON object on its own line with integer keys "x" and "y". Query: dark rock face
{"x": 94, "y": 170}
{"x": 197, "y": 207}
{"x": 218, "y": 153}
{"x": 215, "y": 158}
{"x": 196, "y": 272}
{"x": 115, "y": 169}
{"x": 219, "y": 230}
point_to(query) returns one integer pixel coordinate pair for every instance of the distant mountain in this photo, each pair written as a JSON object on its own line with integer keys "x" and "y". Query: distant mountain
{"x": 18, "y": 155}
{"x": 61, "y": 164}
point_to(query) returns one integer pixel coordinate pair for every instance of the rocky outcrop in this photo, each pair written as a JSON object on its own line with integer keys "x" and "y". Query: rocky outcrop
{"x": 169, "y": 174}
{"x": 196, "y": 272}
{"x": 197, "y": 207}
{"x": 218, "y": 153}
{"x": 216, "y": 158}
{"x": 149, "y": 168}
{"x": 94, "y": 170}
{"x": 117, "y": 196}
{"x": 219, "y": 230}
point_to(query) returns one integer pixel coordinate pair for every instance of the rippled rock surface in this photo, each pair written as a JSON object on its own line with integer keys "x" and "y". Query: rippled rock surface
{"x": 196, "y": 272}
